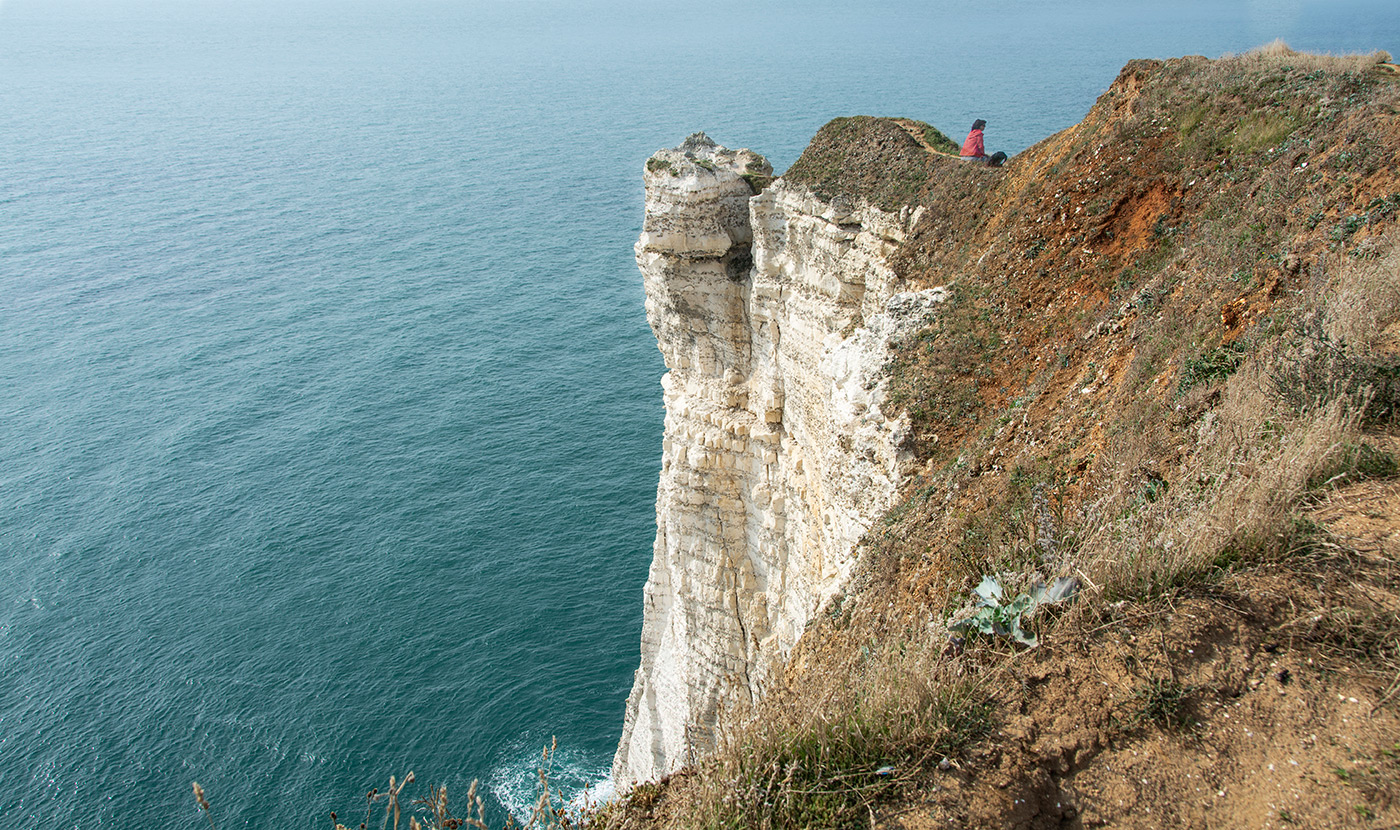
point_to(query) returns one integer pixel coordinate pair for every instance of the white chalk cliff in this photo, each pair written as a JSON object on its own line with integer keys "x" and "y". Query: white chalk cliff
{"x": 775, "y": 313}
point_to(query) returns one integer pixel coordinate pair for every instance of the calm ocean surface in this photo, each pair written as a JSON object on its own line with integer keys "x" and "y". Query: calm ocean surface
{"x": 329, "y": 415}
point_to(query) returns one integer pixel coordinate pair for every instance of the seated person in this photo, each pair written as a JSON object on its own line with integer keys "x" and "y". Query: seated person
{"x": 973, "y": 149}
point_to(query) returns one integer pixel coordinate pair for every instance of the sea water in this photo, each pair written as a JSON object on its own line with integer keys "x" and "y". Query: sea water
{"x": 329, "y": 415}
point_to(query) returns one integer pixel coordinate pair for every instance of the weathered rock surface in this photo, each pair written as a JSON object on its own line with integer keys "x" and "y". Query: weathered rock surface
{"x": 775, "y": 313}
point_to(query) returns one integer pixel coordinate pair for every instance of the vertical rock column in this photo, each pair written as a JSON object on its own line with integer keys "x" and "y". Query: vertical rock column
{"x": 774, "y": 314}
{"x": 694, "y": 254}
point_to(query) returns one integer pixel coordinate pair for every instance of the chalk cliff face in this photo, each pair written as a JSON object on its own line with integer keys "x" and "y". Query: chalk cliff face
{"x": 774, "y": 313}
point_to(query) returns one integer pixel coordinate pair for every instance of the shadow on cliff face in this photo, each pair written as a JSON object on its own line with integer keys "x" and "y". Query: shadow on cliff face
{"x": 1154, "y": 373}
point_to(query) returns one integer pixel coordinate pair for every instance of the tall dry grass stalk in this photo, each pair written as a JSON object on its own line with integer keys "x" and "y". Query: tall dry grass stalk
{"x": 1366, "y": 301}
{"x": 1351, "y": 345}
{"x": 1235, "y": 498}
{"x": 550, "y": 811}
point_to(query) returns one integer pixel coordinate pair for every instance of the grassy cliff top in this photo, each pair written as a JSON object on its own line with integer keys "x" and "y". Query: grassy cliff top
{"x": 887, "y": 162}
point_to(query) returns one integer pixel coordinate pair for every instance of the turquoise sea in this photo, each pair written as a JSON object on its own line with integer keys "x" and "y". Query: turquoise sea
{"x": 329, "y": 414}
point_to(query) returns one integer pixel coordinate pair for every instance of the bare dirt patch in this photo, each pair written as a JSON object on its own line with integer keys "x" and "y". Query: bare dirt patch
{"x": 1218, "y": 710}
{"x": 1128, "y": 227}
{"x": 1366, "y": 515}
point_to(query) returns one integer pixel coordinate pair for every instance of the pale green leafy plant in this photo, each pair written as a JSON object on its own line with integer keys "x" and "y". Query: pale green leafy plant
{"x": 993, "y": 615}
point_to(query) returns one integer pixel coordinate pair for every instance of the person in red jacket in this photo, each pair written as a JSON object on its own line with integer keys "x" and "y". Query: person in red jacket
{"x": 974, "y": 150}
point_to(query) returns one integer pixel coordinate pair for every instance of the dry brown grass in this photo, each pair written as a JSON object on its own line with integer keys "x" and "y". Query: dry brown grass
{"x": 824, "y": 752}
{"x": 1366, "y": 302}
{"x": 1277, "y": 53}
{"x": 1255, "y": 456}
{"x": 1350, "y": 346}
{"x": 1235, "y": 498}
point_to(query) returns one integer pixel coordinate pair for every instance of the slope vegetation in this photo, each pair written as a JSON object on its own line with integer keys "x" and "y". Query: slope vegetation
{"x": 1168, "y": 376}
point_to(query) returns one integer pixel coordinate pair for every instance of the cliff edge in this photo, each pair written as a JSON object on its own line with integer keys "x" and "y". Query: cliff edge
{"x": 1156, "y": 357}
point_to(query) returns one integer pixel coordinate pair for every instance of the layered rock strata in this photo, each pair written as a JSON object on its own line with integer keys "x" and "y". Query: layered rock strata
{"x": 774, "y": 313}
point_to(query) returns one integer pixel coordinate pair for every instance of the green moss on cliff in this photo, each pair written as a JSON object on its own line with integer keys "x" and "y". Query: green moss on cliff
{"x": 863, "y": 157}
{"x": 935, "y": 140}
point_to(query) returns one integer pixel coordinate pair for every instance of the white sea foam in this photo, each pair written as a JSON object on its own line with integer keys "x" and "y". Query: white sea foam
{"x": 576, "y": 780}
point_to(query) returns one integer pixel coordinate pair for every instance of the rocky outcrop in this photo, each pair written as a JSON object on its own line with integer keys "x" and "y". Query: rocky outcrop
{"x": 775, "y": 313}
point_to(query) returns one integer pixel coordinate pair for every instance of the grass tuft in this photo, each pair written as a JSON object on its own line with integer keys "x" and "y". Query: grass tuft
{"x": 1163, "y": 702}
{"x": 826, "y": 753}
{"x": 1215, "y": 365}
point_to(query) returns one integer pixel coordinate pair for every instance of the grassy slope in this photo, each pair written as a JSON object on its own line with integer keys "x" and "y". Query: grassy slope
{"x": 1149, "y": 377}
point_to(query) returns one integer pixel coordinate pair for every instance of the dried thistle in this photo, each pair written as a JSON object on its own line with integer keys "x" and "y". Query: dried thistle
{"x": 203, "y": 804}
{"x": 370, "y": 798}
{"x": 395, "y": 788}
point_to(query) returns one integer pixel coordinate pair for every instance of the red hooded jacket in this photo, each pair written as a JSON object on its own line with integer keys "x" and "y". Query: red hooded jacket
{"x": 973, "y": 146}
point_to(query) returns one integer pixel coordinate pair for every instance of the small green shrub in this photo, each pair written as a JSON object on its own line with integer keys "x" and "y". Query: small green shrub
{"x": 992, "y": 615}
{"x": 1323, "y": 369}
{"x": 1215, "y": 365}
{"x": 660, "y": 165}
{"x": 1348, "y": 226}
